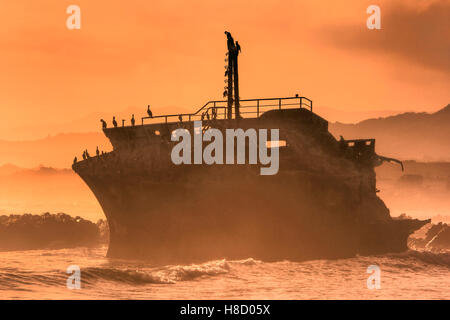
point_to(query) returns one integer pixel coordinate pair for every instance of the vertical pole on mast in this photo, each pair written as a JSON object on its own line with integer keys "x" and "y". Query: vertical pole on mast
{"x": 230, "y": 47}
{"x": 232, "y": 73}
{"x": 236, "y": 82}
{"x": 230, "y": 87}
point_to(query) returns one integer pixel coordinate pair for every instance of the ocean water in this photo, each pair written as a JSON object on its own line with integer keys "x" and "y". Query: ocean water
{"x": 41, "y": 274}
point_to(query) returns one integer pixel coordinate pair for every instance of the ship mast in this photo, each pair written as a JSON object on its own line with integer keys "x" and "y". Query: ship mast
{"x": 232, "y": 77}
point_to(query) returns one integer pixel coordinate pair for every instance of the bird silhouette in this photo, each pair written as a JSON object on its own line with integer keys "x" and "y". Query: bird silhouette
{"x": 114, "y": 122}
{"x": 149, "y": 112}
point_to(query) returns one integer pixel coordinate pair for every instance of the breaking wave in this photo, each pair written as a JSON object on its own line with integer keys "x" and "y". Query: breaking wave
{"x": 13, "y": 278}
{"x": 426, "y": 257}
{"x": 137, "y": 275}
{"x": 129, "y": 276}
{"x": 164, "y": 275}
{"x": 247, "y": 262}
{"x": 171, "y": 274}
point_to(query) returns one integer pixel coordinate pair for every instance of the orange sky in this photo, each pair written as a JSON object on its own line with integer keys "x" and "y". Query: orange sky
{"x": 171, "y": 53}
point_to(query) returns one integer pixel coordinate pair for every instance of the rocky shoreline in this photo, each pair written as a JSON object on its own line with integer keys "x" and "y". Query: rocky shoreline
{"x": 50, "y": 231}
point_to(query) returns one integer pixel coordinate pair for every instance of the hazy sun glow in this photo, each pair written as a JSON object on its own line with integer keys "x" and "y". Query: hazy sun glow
{"x": 170, "y": 54}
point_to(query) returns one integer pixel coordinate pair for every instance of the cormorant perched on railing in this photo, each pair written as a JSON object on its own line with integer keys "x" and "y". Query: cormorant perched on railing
{"x": 149, "y": 112}
{"x": 114, "y": 122}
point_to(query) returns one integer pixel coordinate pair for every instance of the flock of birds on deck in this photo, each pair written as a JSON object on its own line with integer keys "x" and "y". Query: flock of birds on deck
{"x": 133, "y": 120}
{"x": 86, "y": 154}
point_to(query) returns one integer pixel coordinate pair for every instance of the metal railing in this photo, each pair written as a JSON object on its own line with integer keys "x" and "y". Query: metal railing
{"x": 249, "y": 108}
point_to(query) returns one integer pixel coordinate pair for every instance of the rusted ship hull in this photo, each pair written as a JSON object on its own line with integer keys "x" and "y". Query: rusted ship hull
{"x": 321, "y": 204}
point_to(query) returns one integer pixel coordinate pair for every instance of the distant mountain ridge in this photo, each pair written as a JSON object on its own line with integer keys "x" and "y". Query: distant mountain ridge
{"x": 13, "y": 170}
{"x": 352, "y": 116}
{"x": 419, "y": 136}
{"x": 8, "y": 169}
{"x": 55, "y": 151}
{"x": 88, "y": 123}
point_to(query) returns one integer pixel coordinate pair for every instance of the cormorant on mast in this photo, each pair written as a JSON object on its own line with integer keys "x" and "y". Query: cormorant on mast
{"x": 233, "y": 77}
